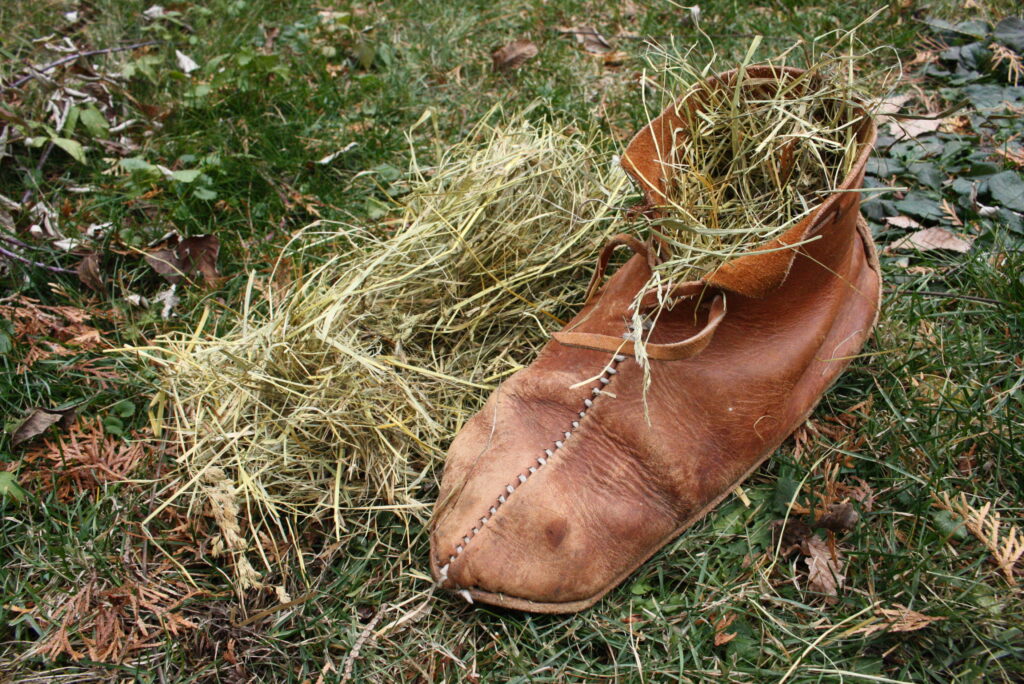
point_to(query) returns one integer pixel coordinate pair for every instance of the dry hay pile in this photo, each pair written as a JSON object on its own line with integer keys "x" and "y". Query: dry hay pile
{"x": 341, "y": 397}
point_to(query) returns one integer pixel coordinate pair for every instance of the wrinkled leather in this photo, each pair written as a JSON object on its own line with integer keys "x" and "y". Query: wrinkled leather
{"x": 632, "y": 475}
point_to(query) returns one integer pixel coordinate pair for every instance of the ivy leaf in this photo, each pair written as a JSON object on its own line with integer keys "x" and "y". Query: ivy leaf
{"x": 1007, "y": 189}
{"x": 1010, "y": 32}
{"x": 920, "y": 205}
{"x": 72, "y": 147}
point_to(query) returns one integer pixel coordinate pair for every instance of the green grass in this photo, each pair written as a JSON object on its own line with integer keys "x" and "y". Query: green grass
{"x": 933, "y": 406}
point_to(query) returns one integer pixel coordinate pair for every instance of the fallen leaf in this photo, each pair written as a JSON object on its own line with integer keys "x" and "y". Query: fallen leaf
{"x": 199, "y": 254}
{"x": 39, "y": 421}
{"x": 891, "y": 105}
{"x": 903, "y": 129}
{"x": 88, "y": 270}
{"x": 591, "y": 39}
{"x": 185, "y": 63}
{"x": 824, "y": 574}
{"x": 615, "y": 58}
{"x": 723, "y": 637}
{"x": 932, "y": 238}
{"x": 897, "y": 620}
{"x": 842, "y": 517}
{"x": 513, "y": 55}
{"x": 164, "y": 261}
{"x": 177, "y": 259}
{"x": 902, "y": 222}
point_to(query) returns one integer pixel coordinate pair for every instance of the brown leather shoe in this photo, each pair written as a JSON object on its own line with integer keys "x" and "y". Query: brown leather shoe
{"x": 560, "y": 487}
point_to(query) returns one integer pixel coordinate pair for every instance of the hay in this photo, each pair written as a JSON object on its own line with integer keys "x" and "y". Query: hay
{"x": 754, "y": 156}
{"x": 341, "y": 398}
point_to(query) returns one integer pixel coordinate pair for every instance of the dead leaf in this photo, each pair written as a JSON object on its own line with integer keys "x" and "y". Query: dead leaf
{"x": 891, "y": 105}
{"x": 185, "y": 63}
{"x": 902, "y": 222}
{"x": 176, "y": 259}
{"x": 723, "y": 637}
{"x": 199, "y": 255}
{"x": 513, "y": 55}
{"x": 824, "y": 568}
{"x": 164, "y": 261}
{"x": 591, "y": 39}
{"x": 899, "y": 619}
{"x": 615, "y": 58}
{"x": 932, "y": 238}
{"x": 842, "y": 517}
{"x": 903, "y": 129}
{"x": 88, "y": 270}
{"x": 39, "y": 421}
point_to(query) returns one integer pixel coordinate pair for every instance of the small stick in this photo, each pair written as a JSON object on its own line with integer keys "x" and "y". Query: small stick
{"x": 17, "y": 257}
{"x": 70, "y": 58}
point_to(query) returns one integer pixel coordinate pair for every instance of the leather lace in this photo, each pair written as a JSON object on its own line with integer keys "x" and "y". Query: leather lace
{"x": 671, "y": 351}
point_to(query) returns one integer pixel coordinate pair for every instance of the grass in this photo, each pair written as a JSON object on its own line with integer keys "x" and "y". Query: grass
{"x": 932, "y": 407}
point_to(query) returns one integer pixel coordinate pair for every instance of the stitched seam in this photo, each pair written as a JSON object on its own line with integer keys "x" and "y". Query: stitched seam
{"x": 603, "y": 381}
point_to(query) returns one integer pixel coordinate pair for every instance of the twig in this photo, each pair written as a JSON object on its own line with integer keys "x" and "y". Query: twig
{"x": 17, "y": 257}
{"x": 70, "y": 58}
{"x": 947, "y": 295}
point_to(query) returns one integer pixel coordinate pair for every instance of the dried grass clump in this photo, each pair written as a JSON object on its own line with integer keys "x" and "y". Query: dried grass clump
{"x": 753, "y": 156}
{"x": 342, "y": 396}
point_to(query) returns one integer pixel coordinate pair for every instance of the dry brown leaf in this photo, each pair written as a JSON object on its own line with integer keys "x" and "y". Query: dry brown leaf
{"x": 164, "y": 261}
{"x": 902, "y": 222}
{"x": 591, "y": 39}
{"x": 842, "y": 517}
{"x": 899, "y": 619}
{"x": 824, "y": 569}
{"x": 932, "y": 238}
{"x": 891, "y": 105}
{"x": 723, "y": 637}
{"x": 615, "y": 58}
{"x": 39, "y": 421}
{"x": 88, "y": 270}
{"x": 192, "y": 256}
{"x": 513, "y": 55}
{"x": 903, "y": 129}
{"x": 199, "y": 255}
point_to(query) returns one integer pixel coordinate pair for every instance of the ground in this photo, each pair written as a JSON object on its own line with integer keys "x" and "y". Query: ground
{"x": 246, "y": 120}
